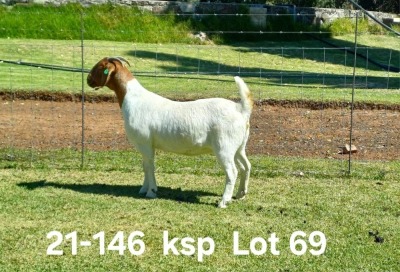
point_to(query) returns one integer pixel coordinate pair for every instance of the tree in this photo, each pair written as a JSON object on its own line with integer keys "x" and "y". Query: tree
{"x": 392, "y": 6}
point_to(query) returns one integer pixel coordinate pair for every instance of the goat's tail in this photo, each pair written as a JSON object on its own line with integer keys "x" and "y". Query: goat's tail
{"x": 246, "y": 98}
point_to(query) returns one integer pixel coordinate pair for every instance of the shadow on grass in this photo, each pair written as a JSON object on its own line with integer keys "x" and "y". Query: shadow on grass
{"x": 179, "y": 195}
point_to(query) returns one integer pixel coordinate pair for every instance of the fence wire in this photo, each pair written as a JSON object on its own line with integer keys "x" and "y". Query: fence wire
{"x": 302, "y": 90}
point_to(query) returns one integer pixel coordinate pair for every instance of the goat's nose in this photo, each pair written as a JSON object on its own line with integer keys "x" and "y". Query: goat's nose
{"x": 89, "y": 79}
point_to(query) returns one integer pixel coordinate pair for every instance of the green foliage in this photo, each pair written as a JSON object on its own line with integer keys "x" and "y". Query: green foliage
{"x": 396, "y": 28}
{"x": 100, "y": 22}
{"x": 344, "y": 26}
{"x": 119, "y": 23}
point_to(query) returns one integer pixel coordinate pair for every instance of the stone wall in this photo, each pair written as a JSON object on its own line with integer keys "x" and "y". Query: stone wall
{"x": 258, "y": 12}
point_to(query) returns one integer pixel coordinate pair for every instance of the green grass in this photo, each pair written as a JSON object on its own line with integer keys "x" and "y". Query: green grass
{"x": 344, "y": 26}
{"x": 278, "y": 70}
{"x": 38, "y": 200}
{"x": 128, "y": 160}
{"x": 102, "y": 22}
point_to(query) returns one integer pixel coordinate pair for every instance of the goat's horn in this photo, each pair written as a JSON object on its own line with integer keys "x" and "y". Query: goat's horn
{"x": 120, "y": 59}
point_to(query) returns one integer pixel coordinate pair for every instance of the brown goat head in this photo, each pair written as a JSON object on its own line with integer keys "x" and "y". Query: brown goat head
{"x": 101, "y": 73}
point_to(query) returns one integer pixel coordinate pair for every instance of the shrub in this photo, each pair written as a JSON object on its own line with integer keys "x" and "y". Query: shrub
{"x": 101, "y": 22}
{"x": 347, "y": 26}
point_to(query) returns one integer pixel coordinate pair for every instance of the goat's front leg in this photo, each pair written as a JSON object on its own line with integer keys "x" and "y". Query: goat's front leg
{"x": 149, "y": 185}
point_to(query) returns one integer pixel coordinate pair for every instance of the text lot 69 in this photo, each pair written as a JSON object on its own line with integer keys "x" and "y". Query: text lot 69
{"x": 300, "y": 243}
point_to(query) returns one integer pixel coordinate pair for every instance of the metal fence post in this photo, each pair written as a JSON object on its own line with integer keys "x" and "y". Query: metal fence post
{"x": 352, "y": 92}
{"x": 83, "y": 94}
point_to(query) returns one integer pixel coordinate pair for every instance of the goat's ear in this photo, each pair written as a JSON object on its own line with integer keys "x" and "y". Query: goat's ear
{"x": 106, "y": 71}
{"x": 109, "y": 68}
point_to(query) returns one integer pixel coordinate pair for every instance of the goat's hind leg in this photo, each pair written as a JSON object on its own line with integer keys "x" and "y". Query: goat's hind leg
{"x": 245, "y": 167}
{"x": 231, "y": 172}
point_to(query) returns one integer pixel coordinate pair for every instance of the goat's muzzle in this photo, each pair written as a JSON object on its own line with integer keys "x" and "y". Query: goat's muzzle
{"x": 91, "y": 82}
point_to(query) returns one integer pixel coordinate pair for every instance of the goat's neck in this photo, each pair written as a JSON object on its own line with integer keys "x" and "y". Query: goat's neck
{"x": 119, "y": 85}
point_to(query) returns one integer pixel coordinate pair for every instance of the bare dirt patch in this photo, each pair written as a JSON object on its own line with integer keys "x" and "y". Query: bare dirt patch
{"x": 278, "y": 128}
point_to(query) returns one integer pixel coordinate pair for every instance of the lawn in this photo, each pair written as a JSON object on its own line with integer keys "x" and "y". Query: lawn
{"x": 306, "y": 70}
{"x": 358, "y": 216}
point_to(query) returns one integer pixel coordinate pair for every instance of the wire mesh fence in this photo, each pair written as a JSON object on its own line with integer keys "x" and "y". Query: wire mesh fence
{"x": 302, "y": 89}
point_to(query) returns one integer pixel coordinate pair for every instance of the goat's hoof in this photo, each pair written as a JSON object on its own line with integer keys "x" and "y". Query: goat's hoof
{"x": 151, "y": 194}
{"x": 222, "y": 204}
{"x": 143, "y": 191}
{"x": 240, "y": 195}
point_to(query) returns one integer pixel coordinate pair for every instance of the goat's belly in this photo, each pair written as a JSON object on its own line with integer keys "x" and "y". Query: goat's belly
{"x": 186, "y": 151}
{"x": 183, "y": 146}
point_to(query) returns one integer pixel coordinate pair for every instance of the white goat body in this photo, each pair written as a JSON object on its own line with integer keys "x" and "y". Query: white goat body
{"x": 189, "y": 128}
{"x": 213, "y": 125}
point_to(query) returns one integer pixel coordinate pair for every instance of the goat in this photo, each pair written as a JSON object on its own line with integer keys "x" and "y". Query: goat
{"x": 213, "y": 125}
